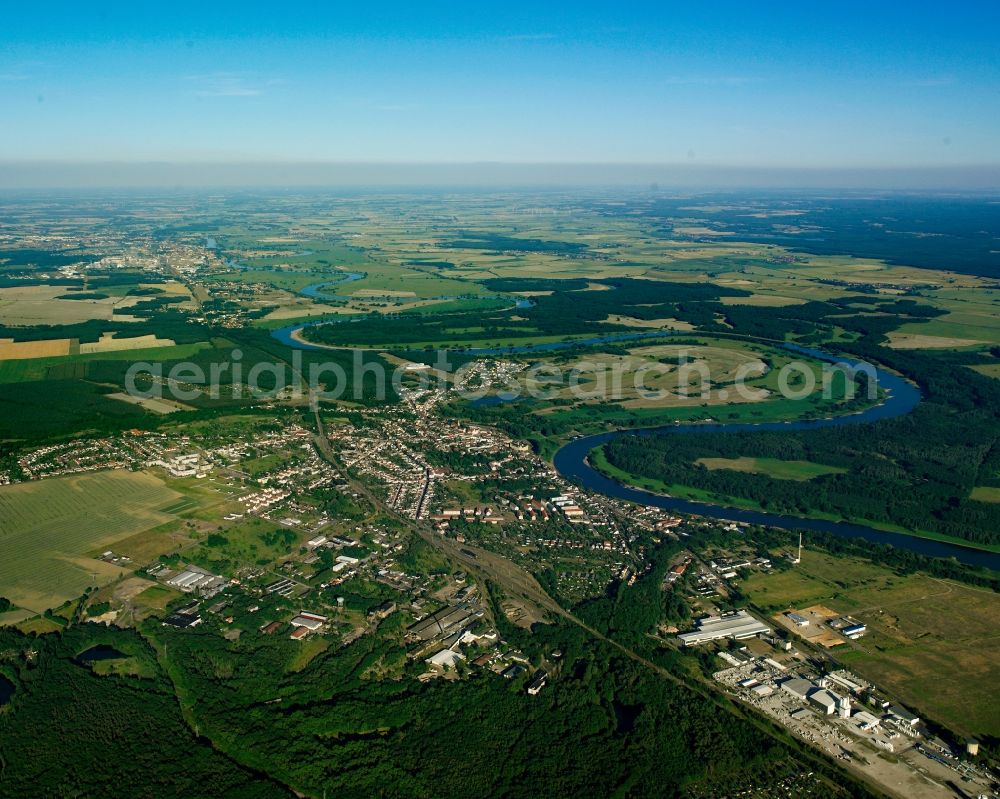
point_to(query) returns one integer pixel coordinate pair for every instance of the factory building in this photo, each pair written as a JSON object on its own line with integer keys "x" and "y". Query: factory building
{"x": 798, "y": 687}
{"x": 826, "y": 700}
{"x": 738, "y": 625}
{"x": 446, "y": 659}
{"x": 194, "y": 579}
{"x": 904, "y": 715}
{"x": 310, "y": 621}
{"x": 866, "y": 720}
{"x": 855, "y": 631}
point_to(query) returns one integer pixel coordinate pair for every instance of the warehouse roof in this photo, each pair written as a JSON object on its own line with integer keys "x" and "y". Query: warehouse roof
{"x": 734, "y": 625}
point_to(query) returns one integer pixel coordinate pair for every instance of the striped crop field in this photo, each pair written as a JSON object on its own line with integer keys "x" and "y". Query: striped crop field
{"x": 48, "y": 527}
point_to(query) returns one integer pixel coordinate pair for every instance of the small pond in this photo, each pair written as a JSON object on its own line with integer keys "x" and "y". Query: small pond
{"x": 100, "y": 652}
{"x": 6, "y": 690}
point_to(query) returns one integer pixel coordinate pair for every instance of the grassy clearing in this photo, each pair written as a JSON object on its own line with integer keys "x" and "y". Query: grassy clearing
{"x": 990, "y": 370}
{"x": 919, "y": 628}
{"x": 258, "y": 466}
{"x": 39, "y": 626}
{"x": 128, "y": 666}
{"x": 249, "y": 542}
{"x": 899, "y": 340}
{"x": 600, "y": 462}
{"x": 153, "y": 600}
{"x": 772, "y": 467}
{"x": 306, "y": 651}
{"x": 48, "y": 527}
{"x": 148, "y": 545}
{"x": 985, "y": 494}
{"x": 763, "y": 300}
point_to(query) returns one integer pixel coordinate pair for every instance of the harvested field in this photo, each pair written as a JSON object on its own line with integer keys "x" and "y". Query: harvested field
{"x": 48, "y": 527}
{"x": 39, "y": 305}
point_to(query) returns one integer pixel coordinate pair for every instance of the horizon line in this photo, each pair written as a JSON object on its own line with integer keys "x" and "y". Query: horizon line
{"x": 260, "y": 173}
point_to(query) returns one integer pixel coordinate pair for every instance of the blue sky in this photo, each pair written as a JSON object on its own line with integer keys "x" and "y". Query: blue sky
{"x": 768, "y": 84}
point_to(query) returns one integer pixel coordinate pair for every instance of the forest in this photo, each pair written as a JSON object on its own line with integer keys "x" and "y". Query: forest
{"x": 69, "y": 732}
{"x": 607, "y": 726}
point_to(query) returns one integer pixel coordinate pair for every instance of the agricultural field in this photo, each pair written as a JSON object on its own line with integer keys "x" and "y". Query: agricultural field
{"x": 902, "y": 340}
{"x": 764, "y": 300}
{"x": 49, "y": 527}
{"x": 25, "y": 369}
{"x": 158, "y": 406}
{"x": 648, "y": 324}
{"x": 959, "y": 330}
{"x": 45, "y": 305}
{"x": 919, "y": 628}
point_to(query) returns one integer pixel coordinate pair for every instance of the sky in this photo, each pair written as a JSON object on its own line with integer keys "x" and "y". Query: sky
{"x": 762, "y": 86}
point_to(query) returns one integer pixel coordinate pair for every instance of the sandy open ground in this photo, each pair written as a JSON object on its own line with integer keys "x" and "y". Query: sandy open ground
{"x": 37, "y": 305}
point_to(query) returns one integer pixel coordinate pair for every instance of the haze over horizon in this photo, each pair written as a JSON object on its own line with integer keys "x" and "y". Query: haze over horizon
{"x": 857, "y": 95}
{"x": 487, "y": 175}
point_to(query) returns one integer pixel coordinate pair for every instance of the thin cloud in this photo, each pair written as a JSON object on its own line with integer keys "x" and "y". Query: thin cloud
{"x": 230, "y": 84}
{"x": 706, "y": 80}
{"x": 21, "y": 70}
{"x": 528, "y": 37}
{"x": 394, "y": 106}
{"x": 930, "y": 82}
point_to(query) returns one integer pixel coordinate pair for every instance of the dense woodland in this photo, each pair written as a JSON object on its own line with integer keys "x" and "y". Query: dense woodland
{"x": 606, "y": 726}
{"x": 69, "y": 732}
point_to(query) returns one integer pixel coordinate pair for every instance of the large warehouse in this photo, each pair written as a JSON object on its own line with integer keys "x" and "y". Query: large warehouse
{"x": 736, "y": 625}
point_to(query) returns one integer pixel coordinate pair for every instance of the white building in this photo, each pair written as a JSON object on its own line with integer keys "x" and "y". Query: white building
{"x": 798, "y": 687}
{"x": 738, "y": 625}
{"x": 866, "y": 720}
{"x": 446, "y": 658}
{"x": 826, "y": 700}
{"x": 311, "y": 621}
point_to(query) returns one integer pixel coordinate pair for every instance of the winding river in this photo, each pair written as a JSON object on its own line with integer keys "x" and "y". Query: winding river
{"x": 571, "y": 460}
{"x": 317, "y": 291}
